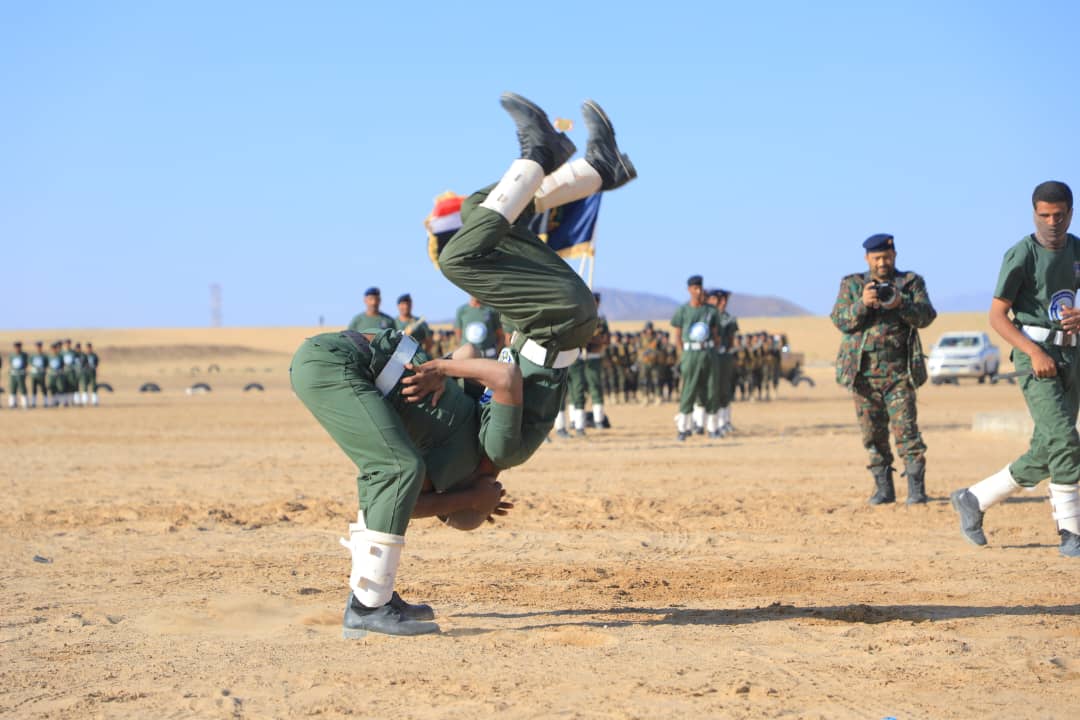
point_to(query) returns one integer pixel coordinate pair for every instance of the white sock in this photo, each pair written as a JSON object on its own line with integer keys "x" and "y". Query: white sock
{"x": 577, "y": 416}
{"x": 712, "y": 422}
{"x": 994, "y": 489}
{"x": 597, "y": 413}
{"x": 1065, "y": 500}
{"x": 571, "y": 181}
{"x": 699, "y": 416}
{"x": 515, "y": 190}
{"x": 682, "y": 422}
{"x": 560, "y": 420}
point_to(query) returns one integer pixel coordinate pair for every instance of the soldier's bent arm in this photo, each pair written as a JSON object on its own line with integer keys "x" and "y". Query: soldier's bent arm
{"x": 849, "y": 314}
{"x": 915, "y": 308}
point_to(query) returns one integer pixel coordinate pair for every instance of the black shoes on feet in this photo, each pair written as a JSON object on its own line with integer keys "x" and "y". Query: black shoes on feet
{"x": 971, "y": 517}
{"x": 540, "y": 141}
{"x": 396, "y": 617}
{"x": 601, "y": 151}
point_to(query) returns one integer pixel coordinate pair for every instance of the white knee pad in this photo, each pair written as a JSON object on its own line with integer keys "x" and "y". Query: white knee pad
{"x": 515, "y": 190}
{"x": 571, "y": 181}
{"x": 375, "y": 559}
{"x": 995, "y": 488}
{"x": 1065, "y": 500}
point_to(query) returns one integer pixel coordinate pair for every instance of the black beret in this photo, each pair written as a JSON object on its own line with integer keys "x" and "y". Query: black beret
{"x": 694, "y": 280}
{"x": 372, "y": 291}
{"x": 881, "y": 241}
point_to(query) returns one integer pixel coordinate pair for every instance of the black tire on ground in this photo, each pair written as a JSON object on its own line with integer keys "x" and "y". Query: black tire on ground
{"x": 105, "y": 387}
{"x": 149, "y": 387}
{"x": 200, "y": 386}
{"x": 253, "y": 386}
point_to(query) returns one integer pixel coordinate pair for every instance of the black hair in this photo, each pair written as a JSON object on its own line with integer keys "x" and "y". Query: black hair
{"x": 1052, "y": 191}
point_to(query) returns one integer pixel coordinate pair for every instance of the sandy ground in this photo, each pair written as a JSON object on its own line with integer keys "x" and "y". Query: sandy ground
{"x": 175, "y": 556}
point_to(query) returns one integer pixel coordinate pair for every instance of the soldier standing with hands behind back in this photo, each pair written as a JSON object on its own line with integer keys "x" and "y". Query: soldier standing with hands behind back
{"x": 880, "y": 313}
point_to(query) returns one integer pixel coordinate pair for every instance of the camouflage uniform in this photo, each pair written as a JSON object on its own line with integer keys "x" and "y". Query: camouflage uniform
{"x": 881, "y": 361}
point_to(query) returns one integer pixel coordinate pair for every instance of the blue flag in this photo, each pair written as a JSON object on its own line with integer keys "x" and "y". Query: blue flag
{"x": 568, "y": 229}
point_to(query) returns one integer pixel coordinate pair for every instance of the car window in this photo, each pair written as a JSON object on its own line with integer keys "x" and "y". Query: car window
{"x": 959, "y": 342}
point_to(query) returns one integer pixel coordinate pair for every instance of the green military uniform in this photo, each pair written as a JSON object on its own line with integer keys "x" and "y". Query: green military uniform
{"x": 727, "y": 328}
{"x": 393, "y": 442}
{"x": 881, "y": 361}
{"x": 479, "y": 327}
{"x": 88, "y": 379}
{"x": 650, "y": 359}
{"x": 509, "y": 269}
{"x": 1039, "y": 282}
{"x": 585, "y": 373}
{"x": 372, "y": 323}
{"x": 699, "y": 327}
{"x": 18, "y": 362}
{"x": 39, "y": 362}
{"x": 57, "y": 386}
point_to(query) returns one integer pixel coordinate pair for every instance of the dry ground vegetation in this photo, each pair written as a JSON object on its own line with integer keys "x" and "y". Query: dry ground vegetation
{"x": 176, "y": 556}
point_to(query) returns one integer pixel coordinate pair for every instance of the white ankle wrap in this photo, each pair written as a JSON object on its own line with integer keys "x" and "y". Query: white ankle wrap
{"x": 515, "y": 190}
{"x": 995, "y": 488}
{"x": 560, "y": 420}
{"x": 1065, "y": 500}
{"x": 571, "y": 181}
{"x": 375, "y": 559}
{"x": 597, "y": 413}
{"x": 682, "y": 422}
{"x": 712, "y": 423}
{"x": 699, "y": 415}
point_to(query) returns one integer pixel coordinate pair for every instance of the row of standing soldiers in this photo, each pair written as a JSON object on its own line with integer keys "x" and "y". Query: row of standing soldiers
{"x": 66, "y": 376}
{"x": 643, "y": 366}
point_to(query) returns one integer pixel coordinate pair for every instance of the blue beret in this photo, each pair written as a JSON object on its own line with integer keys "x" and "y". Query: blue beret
{"x": 694, "y": 280}
{"x": 372, "y": 291}
{"x": 881, "y": 241}
{"x": 403, "y": 298}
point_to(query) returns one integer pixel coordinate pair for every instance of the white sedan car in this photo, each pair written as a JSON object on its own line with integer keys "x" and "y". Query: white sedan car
{"x": 963, "y": 354}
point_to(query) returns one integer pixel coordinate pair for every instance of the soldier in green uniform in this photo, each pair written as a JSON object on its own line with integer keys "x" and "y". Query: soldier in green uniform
{"x": 725, "y": 362}
{"x": 1037, "y": 284}
{"x": 78, "y": 366}
{"x": 584, "y": 375}
{"x": 481, "y": 327}
{"x": 372, "y": 318}
{"x": 18, "y": 362}
{"x": 413, "y": 326}
{"x": 39, "y": 362}
{"x": 88, "y": 378}
{"x": 57, "y": 386}
{"x": 359, "y": 388}
{"x": 880, "y": 313}
{"x": 650, "y": 358}
{"x": 696, "y": 332}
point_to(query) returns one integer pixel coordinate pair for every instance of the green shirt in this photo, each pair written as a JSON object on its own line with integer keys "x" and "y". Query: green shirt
{"x": 18, "y": 362}
{"x": 68, "y": 357}
{"x": 479, "y": 327}
{"x": 56, "y": 364}
{"x": 38, "y": 363}
{"x": 371, "y": 323}
{"x": 91, "y": 361}
{"x": 510, "y": 435}
{"x": 1039, "y": 282}
{"x": 729, "y": 328}
{"x": 698, "y": 324}
{"x": 420, "y": 330}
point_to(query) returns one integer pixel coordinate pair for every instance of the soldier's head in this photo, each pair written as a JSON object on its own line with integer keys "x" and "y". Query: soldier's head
{"x": 474, "y": 302}
{"x": 721, "y": 302}
{"x": 712, "y": 297}
{"x": 89, "y": 347}
{"x": 67, "y": 343}
{"x": 1053, "y": 205}
{"x": 648, "y": 330}
{"x": 40, "y": 345}
{"x": 18, "y": 346}
{"x": 694, "y": 287}
{"x": 404, "y": 305}
{"x": 880, "y": 256}
{"x": 372, "y": 298}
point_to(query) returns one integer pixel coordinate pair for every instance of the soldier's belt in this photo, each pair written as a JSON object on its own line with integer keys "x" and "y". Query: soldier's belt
{"x": 594, "y": 356}
{"x": 537, "y": 354}
{"x": 697, "y": 345}
{"x": 1053, "y": 337}
{"x": 388, "y": 377}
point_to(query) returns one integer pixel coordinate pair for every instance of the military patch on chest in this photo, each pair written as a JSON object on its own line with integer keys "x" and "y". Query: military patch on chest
{"x": 1058, "y": 301}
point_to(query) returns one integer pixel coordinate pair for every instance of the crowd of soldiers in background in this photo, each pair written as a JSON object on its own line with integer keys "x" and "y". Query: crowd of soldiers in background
{"x": 638, "y": 367}
{"x": 65, "y": 376}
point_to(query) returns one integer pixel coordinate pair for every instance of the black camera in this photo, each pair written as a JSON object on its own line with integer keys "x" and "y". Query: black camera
{"x": 886, "y": 291}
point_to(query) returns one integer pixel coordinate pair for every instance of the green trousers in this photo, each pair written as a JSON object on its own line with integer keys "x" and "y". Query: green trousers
{"x": 697, "y": 369}
{"x": 17, "y": 384}
{"x": 720, "y": 385}
{"x": 585, "y": 374}
{"x": 37, "y": 382}
{"x": 1055, "y": 446}
{"x": 337, "y": 384}
{"x": 88, "y": 380}
{"x": 512, "y": 271}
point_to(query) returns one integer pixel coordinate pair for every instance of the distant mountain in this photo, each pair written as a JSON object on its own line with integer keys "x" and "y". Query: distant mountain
{"x": 631, "y": 305}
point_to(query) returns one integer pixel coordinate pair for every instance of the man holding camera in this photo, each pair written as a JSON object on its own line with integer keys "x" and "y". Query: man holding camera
{"x": 880, "y": 313}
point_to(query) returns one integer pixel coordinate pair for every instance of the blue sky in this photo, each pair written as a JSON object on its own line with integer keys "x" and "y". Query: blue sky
{"x": 290, "y": 151}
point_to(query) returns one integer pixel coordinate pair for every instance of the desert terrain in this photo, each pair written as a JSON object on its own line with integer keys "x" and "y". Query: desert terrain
{"x": 170, "y": 555}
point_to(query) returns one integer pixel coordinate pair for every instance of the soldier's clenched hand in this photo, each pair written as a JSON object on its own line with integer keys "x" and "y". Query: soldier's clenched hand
{"x": 1043, "y": 365}
{"x": 869, "y": 296}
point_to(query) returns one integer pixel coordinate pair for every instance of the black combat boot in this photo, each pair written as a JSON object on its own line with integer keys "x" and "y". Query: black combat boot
{"x": 387, "y": 619}
{"x": 409, "y": 611}
{"x": 916, "y": 482}
{"x": 540, "y": 141}
{"x": 883, "y": 481}
{"x": 601, "y": 152}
